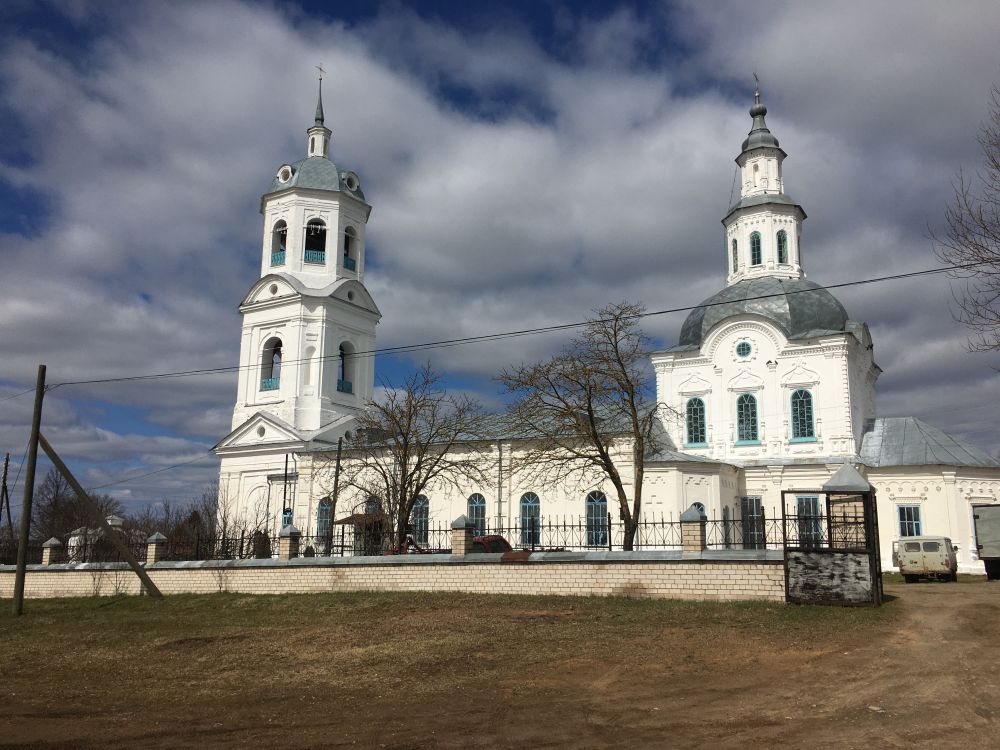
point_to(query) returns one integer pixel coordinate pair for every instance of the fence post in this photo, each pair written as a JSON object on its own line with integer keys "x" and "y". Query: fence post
{"x": 693, "y": 523}
{"x": 610, "y": 539}
{"x": 50, "y": 549}
{"x": 156, "y": 546}
{"x": 288, "y": 542}
{"x": 462, "y": 531}
{"x": 533, "y": 530}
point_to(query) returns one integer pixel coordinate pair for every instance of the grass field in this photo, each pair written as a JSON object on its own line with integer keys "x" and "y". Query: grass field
{"x": 417, "y": 670}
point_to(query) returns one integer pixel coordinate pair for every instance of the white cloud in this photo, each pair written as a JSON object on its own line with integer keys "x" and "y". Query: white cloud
{"x": 513, "y": 186}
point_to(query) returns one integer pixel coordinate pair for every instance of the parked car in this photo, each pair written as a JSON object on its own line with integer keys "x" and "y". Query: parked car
{"x": 927, "y": 556}
{"x": 490, "y": 543}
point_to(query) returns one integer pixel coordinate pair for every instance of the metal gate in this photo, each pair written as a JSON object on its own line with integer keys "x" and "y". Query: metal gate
{"x": 831, "y": 543}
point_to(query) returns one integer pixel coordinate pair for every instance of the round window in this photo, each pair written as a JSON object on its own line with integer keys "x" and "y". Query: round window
{"x": 350, "y": 296}
{"x": 273, "y": 289}
{"x": 351, "y": 181}
{"x": 285, "y": 174}
{"x": 260, "y": 432}
{"x": 743, "y": 349}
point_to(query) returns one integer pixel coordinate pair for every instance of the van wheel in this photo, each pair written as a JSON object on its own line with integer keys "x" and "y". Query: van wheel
{"x": 910, "y": 578}
{"x": 953, "y": 578}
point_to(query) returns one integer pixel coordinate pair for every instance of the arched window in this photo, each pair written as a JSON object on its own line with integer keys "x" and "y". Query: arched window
{"x": 802, "y": 415}
{"x": 420, "y": 519}
{"x": 782, "y": 247}
{"x": 736, "y": 257}
{"x": 279, "y": 235}
{"x": 477, "y": 513}
{"x": 350, "y": 249}
{"x": 372, "y": 506}
{"x": 755, "y": 255}
{"x": 746, "y": 419}
{"x": 270, "y": 365}
{"x": 315, "y": 242}
{"x": 345, "y": 365}
{"x": 531, "y": 516}
{"x": 597, "y": 519}
{"x": 324, "y": 519}
{"x": 696, "y": 422}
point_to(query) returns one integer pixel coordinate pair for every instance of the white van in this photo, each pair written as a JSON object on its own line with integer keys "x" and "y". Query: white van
{"x": 928, "y": 556}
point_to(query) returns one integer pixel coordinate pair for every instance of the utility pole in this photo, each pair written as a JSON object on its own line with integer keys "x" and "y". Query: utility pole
{"x": 6, "y": 497}
{"x": 29, "y": 490}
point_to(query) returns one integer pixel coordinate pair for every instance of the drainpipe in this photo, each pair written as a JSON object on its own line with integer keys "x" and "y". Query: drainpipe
{"x": 499, "y": 484}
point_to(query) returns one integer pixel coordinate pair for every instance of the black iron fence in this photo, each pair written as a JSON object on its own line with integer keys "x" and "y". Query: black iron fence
{"x": 836, "y": 531}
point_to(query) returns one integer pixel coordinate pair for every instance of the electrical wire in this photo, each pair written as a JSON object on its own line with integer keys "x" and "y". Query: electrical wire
{"x": 445, "y": 343}
{"x": 149, "y": 473}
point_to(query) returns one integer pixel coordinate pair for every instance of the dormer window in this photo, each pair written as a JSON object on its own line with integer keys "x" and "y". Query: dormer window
{"x": 755, "y": 253}
{"x": 279, "y": 236}
{"x": 782, "y": 240}
{"x": 315, "y": 242}
{"x": 350, "y": 249}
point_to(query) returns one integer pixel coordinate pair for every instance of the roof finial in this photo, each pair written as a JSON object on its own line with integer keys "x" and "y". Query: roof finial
{"x": 319, "y": 102}
{"x": 756, "y": 88}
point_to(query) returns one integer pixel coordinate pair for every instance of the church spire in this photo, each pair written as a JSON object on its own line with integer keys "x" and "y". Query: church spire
{"x": 763, "y": 229}
{"x": 319, "y": 134}
{"x": 319, "y": 101}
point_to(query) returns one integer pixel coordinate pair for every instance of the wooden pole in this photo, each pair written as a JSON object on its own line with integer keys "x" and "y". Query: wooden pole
{"x": 29, "y": 490}
{"x": 6, "y": 497}
{"x": 110, "y": 534}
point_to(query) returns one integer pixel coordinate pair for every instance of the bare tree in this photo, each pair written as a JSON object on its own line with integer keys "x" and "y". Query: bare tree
{"x": 972, "y": 239}
{"x": 415, "y": 439}
{"x": 58, "y": 510}
{"x": 585, "y": 412}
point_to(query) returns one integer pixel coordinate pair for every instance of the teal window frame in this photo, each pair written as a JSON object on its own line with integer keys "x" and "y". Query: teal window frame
{"x": 697, "y": 431}
{"x": 744, "y": 349}
{"x": 420, "y": 514}
{"x": 782, "y": 241}
{"x": 747, "y": 424}
{"x": 324, "y": 518}
{"x": 531, "y": 511}
{"x": 910, "y": 523}
{"x": 596, "y": 506}
{"x": 477, "y": 513}
{"x": 802, "y": 416}
{"x": 756, "y": 256}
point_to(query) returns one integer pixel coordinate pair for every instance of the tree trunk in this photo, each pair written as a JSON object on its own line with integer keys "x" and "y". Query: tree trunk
{"x": 631, "y": 526}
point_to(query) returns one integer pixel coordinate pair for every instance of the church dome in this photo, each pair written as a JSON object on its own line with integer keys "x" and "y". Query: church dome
{"x": 316, "y": 173}
{"x": 799, "y": 307}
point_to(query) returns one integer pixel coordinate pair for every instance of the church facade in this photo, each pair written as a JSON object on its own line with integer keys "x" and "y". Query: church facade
{"x": 770, "y": 387}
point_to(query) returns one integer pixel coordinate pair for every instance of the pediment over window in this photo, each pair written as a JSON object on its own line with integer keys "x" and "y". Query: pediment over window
{"x": 800, "y": 376}
{"x": 694, "y": 386}
{"x": 746, "y": 381}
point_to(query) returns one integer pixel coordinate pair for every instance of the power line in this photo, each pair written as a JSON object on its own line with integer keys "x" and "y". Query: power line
{"x": 405, "y": 348}
{"x": 148, "y": 473}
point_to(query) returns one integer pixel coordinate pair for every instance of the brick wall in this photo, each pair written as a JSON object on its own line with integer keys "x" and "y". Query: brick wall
{"x": 736, "y": 575}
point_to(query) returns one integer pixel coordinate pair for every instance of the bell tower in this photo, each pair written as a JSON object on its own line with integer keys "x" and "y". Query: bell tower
{"x": 308, "y": 321}
{"x": 763, "y": 230}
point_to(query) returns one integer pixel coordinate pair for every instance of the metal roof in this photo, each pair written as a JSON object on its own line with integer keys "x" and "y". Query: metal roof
{"x": 316, "y": 173}
{"x": 799, "y": 307}
{"x": 907, "y": 441}
{"x": 764, "y": 199}
{"x": 760, "y": 136}
{"x": 847, "y": 479}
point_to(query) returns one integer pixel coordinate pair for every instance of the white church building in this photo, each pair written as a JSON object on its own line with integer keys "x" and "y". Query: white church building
{"x": 770, "y": 387}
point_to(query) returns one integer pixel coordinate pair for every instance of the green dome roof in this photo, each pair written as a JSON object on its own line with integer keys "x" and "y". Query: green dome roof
{"x": 799, "y": 307}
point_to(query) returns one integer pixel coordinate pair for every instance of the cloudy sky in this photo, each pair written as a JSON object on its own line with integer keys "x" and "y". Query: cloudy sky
{"x": 526, "y": 164}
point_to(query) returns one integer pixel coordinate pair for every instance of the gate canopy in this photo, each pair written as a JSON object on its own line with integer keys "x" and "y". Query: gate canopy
{"x": 847, "y": 481}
